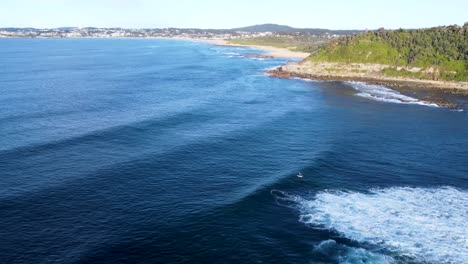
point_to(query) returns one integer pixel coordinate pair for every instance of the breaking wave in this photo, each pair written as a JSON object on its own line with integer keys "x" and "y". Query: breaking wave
{"x": 423, "y": 224}
{"x": 384, "y": 94}
{"x": 232, "y": 54}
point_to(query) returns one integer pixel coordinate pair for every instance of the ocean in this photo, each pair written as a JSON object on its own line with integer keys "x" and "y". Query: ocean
{"x": 169, "y": 151}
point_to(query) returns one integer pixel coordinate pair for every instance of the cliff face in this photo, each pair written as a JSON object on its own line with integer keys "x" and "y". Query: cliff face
{"x": 331, "y": 69}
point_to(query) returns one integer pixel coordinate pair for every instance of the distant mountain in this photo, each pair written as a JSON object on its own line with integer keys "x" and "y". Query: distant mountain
{"x": 266, "y": 28}
{"x": 287, "y": 29}
{"x": 66, "y": 28}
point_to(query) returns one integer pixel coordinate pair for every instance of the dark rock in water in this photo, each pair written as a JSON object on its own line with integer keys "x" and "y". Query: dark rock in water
{"x": 258, "y": 56}
{"x": 442, "y": 102}
{"x": 280, "y": 73}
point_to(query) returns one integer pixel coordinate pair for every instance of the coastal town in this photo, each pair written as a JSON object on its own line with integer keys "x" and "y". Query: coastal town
{"x": 92, "y": 32}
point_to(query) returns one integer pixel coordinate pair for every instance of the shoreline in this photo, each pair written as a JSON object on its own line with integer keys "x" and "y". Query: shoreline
{"x": 270, "y": 51}
{"x": 321, "y": 71}
{"x": 303, "y": 70}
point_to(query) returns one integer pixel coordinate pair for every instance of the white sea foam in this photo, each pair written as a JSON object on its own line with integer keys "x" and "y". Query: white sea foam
{"x": 425, "y": 224}
{"x": 232, "y": 54}
{"x": 384, "y": 94}
{"x": 304, "y": 79}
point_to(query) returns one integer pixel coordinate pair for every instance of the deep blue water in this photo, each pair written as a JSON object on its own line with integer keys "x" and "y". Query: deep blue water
{"x": 161, "y": 151}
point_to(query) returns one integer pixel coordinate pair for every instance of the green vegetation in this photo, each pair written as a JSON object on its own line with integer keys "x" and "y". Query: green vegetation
{"x": 295, "y": 43}
{"x": 435, "y": 53}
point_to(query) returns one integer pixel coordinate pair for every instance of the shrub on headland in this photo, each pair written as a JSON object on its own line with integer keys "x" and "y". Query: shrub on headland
{"x": 439, "y": 53}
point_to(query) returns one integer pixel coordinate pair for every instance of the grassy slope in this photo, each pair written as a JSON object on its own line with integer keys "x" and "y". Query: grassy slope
{"x": 441, "y": 53}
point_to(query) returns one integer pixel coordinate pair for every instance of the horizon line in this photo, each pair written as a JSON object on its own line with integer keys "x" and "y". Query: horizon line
{"x": 273, "y": 24}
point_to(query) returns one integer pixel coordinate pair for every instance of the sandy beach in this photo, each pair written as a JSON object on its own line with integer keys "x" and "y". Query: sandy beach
{"x": 270, "y": 51}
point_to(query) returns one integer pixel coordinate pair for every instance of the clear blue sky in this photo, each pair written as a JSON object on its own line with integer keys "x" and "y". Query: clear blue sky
{"x": 333, "y": 14}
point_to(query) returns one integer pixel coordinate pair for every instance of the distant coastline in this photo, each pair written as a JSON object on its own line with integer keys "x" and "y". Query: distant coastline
{"x": 244, "y": 32}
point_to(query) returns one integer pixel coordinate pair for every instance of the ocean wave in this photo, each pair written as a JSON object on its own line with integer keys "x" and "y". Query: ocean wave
{"x": 384, "y": 94}
{"x": 333, "y": 252}
{"x": 272, "y": 68}
{"x": 424, "y": 224}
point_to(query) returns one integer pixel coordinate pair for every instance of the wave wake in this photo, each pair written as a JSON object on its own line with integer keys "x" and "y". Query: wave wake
{"x": 423, "y": 224}
{"x": 384, "y": 94}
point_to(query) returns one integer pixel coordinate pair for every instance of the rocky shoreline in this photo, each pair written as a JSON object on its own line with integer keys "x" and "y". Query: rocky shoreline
{"x": 369, "y": 73}
{"x": 322, "y": 72}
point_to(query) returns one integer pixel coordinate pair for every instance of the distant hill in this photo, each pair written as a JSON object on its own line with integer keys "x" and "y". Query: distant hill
{"x": 287, "y": 29}
{"x": 66, "y": 28}
{"x": 266, "y": 28}
{"x": 439, "y": 53}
